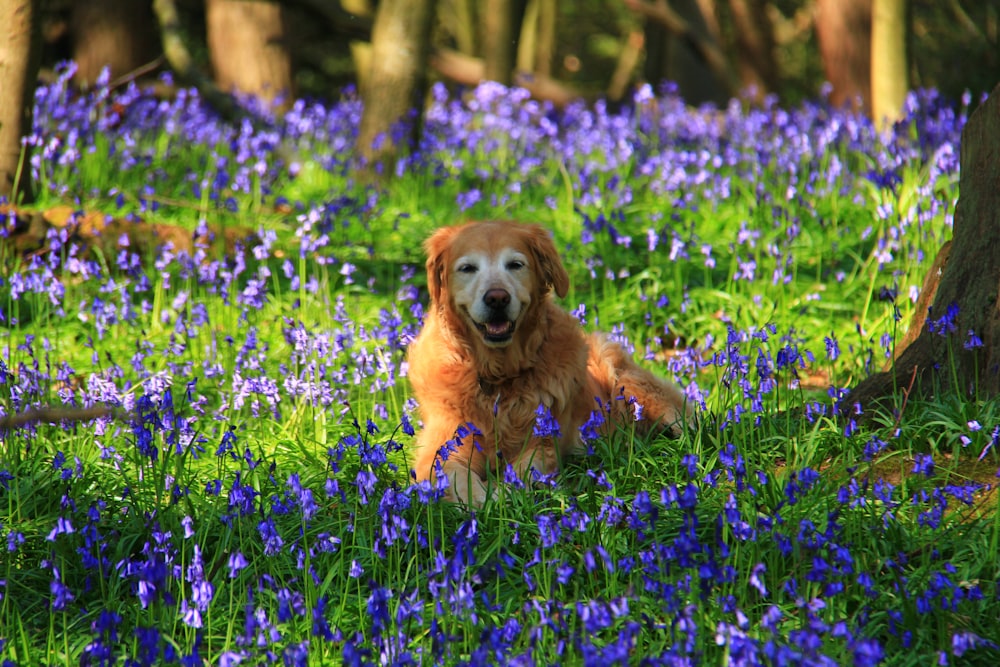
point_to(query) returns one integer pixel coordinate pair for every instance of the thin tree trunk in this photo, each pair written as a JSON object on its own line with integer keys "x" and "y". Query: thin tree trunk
{"x": 396, "y": 81}
{"x": 179, "y": 58}
{"x": 464, "y": 26}
{"x": 248, "y": 46}
{"x": 889, "y": 64}
{"x": 628, "y": 60}
{"x": 755, "y": 44}
{"x": 843, "y": 28}
{"x": 20, "y": 39}
{"x": 679, "y": 48}
{"x": 501, "y": 25}
{"x": 527, "y": 42}
{"x": 546, "y": 42}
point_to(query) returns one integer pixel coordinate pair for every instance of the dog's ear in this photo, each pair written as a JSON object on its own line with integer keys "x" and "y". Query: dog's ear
{"x": 551, "y": 267}
{"x": 437, "y": 260}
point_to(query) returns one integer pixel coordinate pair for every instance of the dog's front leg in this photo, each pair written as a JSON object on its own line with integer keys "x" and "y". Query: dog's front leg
{"x": 537, "y": 455}
{"x": 465, "y": 485}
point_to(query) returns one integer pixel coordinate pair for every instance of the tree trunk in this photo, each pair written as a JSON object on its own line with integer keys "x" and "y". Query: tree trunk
{"x": 118, "y": 34}
{"x": 679, "y": 48}
{"x": 628, "y": 59}
{"x": 500, "y": 22}
{"x": 545, "y": 51}
{"x": 396, "y": 81}
{"x": 843, "y": 29}
{"x": 248, "y": 46}
{"x": 941, "y": 355}
{"x": 527, "y": 40}
{"x": 755, "y": 45}
{"x": 889, "y": 65}
{"x": 458, "y": 19}
{"x": 20, "y": 39}
{"x": 179, "y": 58}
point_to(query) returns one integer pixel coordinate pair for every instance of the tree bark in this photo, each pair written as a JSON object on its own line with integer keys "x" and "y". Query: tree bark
{"x": 758, "y": 67}
{"x": 20, "y": 41}
{"x": 679, "y": 48}
{"x": 248, "y": 47}
{"x": 179, "y": 58}
{"x": 928, "y": 291}
{"x": 843, "y": 29}
{"x": 458, "y": 19}
{"x": 628, "y": 59}
{"x": 118, "y": 34}
{"x": 545, "y": 51}
{"x": 527, "y": 40}
{"x": 396, "y": 81}
{"x": 500, "y": 22}
{"x": 889, "y": 71}
{"x": 940, "y": 356}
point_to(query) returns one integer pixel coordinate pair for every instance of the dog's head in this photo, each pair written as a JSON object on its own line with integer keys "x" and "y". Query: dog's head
{"x": 490, "y": 273}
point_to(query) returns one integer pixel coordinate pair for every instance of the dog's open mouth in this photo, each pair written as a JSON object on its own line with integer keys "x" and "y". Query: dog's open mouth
{"x": 499, "y": 331}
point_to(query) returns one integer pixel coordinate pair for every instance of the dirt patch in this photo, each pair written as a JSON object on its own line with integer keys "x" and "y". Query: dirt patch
{"x": 28, "y": 231}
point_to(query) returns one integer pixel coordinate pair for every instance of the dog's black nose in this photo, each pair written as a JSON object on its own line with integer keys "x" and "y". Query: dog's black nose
{"x": 496, "y": 299}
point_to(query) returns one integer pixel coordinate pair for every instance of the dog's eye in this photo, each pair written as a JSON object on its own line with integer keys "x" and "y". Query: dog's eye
{"x": 514, "y": 265}
{"x": 467, "y": 268}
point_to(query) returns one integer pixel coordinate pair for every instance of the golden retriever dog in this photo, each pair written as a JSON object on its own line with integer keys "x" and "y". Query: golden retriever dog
{"x": 495, "y": 347}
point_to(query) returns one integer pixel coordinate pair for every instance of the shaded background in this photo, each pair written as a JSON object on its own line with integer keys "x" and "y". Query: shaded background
{"x": 775, "y": 45}
{"x": 863, "y": 54}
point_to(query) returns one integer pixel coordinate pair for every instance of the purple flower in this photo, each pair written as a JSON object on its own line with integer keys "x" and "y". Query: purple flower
{"x": 946, "y": 323}
{"x": 190, "y": 615}
{"x": 61, "y": 594}
{"x": 270, "y": 537}
{"x": 545, "y": 424}
{"x": 832, "y": 348}
{"x": 467, "y": 200}
{"x": 973, "y": 341}
{"x": 320, "y": 626}
{"x": 236, "y": 563}
{"x": 755, "y": 578}
{"x": 963, "y": 642}
{"x": 378, "y": 609}
{"x": 923, "y": 464}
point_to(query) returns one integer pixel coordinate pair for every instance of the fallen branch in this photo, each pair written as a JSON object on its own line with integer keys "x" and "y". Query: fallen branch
{"x": 471, "y": 71}
{"x": 59, "y": 415}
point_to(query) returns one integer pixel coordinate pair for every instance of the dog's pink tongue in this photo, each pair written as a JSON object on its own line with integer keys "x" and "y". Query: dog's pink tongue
{"x": 497, "y": 328}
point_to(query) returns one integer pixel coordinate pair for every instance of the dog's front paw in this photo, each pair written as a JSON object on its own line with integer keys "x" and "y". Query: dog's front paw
{"x": 468, "y": 488}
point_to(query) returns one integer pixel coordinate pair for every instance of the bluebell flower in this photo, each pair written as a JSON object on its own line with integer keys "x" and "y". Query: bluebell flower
{"x": 923, "y": 464}
{"x": 946, "y": 324}
{"x": 63, "y": 527}
{"x": 973, "y": 341}
{"x": 61, "y": 594}
{"x": 270, "y": 537}
{"x": 545, "y": 424}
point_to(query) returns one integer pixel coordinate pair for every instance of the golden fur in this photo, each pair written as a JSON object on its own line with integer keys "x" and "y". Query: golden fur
{"x": 494, "y": 346}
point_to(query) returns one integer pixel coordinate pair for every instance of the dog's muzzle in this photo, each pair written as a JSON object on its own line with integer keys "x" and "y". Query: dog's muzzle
{"x": 498, "y": 327}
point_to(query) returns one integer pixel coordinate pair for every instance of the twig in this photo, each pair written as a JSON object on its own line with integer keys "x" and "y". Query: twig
{"x": 139, "y": 71}
{"x": 52, "y": 414}
{"x": 906, "y": 397}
